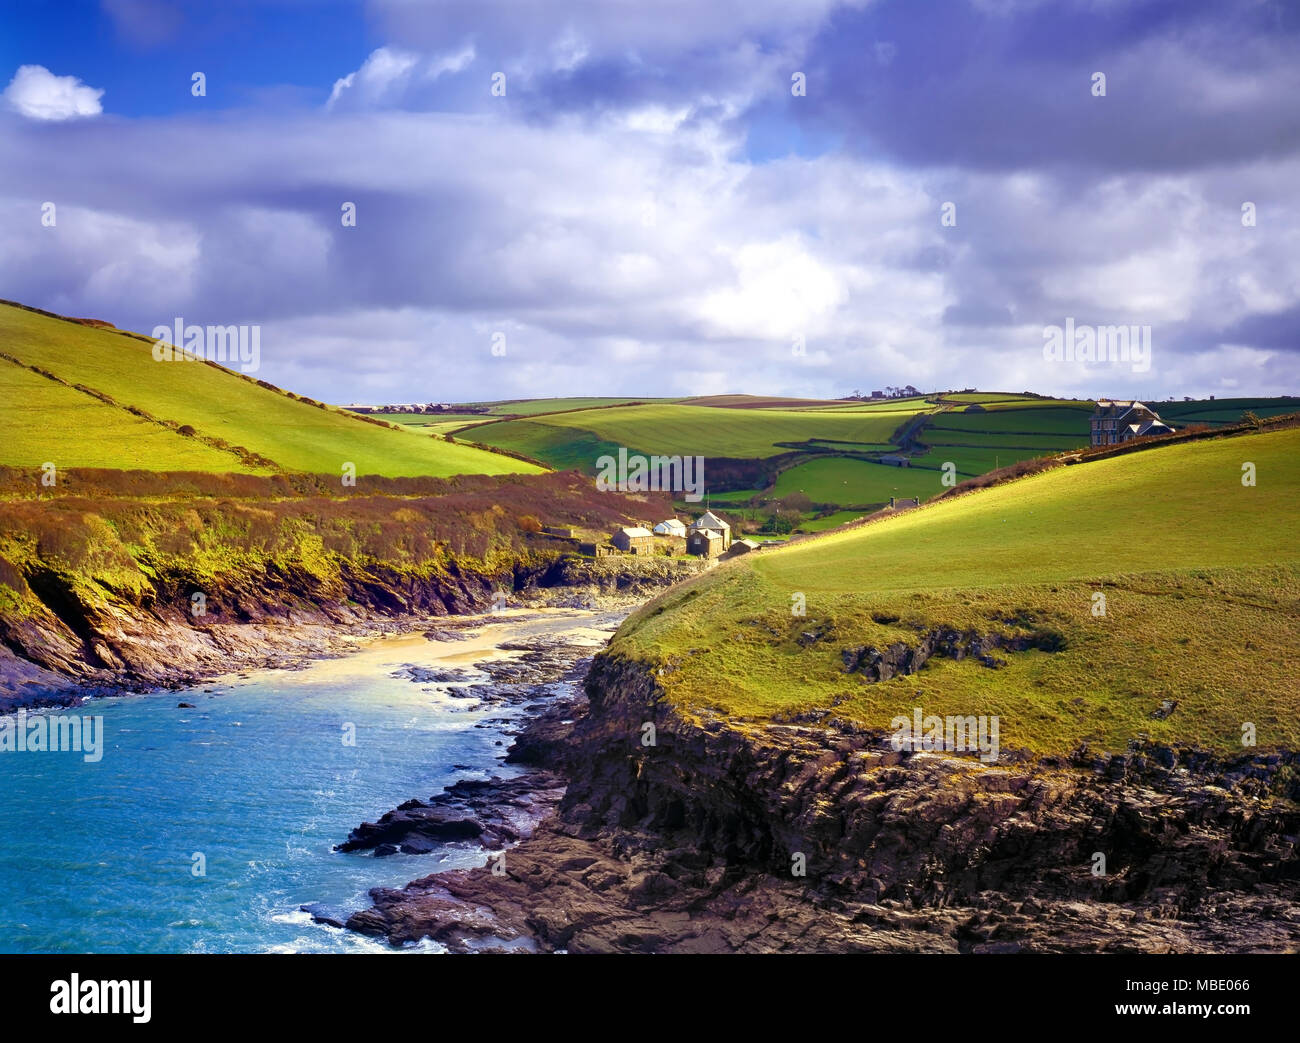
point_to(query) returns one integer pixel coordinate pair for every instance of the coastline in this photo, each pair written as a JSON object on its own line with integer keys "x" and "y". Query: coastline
{"x": 145, "y": 648}
{"x": 688, "y": 846}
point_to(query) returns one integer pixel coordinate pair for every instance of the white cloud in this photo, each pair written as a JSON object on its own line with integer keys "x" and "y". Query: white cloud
{"x": 612, "y": 225}
{"x": 379, "y": 76}
{"x": 40, "y": 95}
{"x": 387, "y": 73}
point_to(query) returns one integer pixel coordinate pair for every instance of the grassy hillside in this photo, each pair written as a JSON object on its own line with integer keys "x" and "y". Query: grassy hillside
{"x": 1008, "y": 430}
{"x": 43, "y": 418}
{"x": 537, "y": 406}
{"x": 845, "y": 480}
{"x": 87, "y": 397}
{"x": 435, "y": 423}
{"x": 695, "y": 430}
{"x": 1223, "y": 410}
{"x": 1201, "y": 576}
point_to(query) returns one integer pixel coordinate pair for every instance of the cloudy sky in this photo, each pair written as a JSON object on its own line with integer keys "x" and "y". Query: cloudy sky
{"x": 671, "y": 197}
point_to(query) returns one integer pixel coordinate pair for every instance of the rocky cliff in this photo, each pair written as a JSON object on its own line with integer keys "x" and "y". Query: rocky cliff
{"x": 115, "y": 580}
{"x": 818, "y": 836}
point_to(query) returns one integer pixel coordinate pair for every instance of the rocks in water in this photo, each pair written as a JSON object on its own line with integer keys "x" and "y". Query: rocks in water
{"x": 432, "y": 675}
{"x": 547, "y": 741}
{"x": 495, "y": 812}
{"x": 686, "y": 847}
{"x": 321, "y": 913}
{"x": 492, "y": 813}
{"x": 185, "y": 706}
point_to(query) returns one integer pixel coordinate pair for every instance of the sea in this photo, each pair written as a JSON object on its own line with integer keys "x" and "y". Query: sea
{"x": 208, "y": 829}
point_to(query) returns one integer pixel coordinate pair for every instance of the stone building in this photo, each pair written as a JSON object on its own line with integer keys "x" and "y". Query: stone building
{"x": 635, "y": 540}
{"x": 1114, "y": 422}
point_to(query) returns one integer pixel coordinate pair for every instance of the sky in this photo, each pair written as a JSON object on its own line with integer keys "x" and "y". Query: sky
{"x": 607, "y": 197}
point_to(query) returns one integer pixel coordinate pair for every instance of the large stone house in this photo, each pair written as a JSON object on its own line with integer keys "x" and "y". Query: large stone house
{"x": 635, "y": 540}
{"x": 706, "y": 543}
{"x": 710, "y": 522}
{"x": 1114, "y": 422}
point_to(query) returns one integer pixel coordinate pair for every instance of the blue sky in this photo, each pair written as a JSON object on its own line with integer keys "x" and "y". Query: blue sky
{"x": 139, "y": 52}
{"x": 650, "y": 209}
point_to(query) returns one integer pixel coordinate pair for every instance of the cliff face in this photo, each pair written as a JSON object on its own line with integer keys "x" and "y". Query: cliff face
{"x": 116, "y": 578}
{"x": 931, "y": 829}
{"x": 79, "y": 638}
{"x": 724, "y": 836}
{"x": 75, "y": 638}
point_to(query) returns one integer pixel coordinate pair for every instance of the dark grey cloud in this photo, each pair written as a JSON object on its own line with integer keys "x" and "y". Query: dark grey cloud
{"x": 1189, "y": 83}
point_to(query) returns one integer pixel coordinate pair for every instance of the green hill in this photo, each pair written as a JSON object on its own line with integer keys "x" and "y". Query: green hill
{"x": 82, "y": 396}
{"x": 1201, "y": 631}
{"x": 708, "y": 431}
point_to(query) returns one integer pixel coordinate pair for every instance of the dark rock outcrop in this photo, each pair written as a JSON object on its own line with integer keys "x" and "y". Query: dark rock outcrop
{"x": 491, "y": 813}
{"x": 728, "y": 836}
{"x": 898, "y": 658}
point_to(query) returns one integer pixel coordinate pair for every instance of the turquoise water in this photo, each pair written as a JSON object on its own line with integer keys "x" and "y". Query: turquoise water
{"x": 97, "y": 857}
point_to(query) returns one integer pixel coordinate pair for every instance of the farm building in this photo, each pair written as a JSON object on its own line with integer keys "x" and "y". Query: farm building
{"x": 670, "y": 527}
{"x": 894, "y": 460}
{"x": 705, "y": 543}
{"x": 710, "y": 521}
{"x": 596, "y": 550}
{"x": 743, "y": 547}
{"x": 904, "y": 503}
{"x": 634, "y": 540}
{"x": 559, "y": 530}
{"x": 1114, "y": 422}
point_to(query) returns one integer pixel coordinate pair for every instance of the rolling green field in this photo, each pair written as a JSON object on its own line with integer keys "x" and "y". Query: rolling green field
{"x": 844, "y": 480}
{"x": 1201, "y": 577}
{"x": 990, "y": 439}
{"x": 435, "y": 423}
{"x": 886, "y": 405}
{"x": 559, "y": 446}
{"x": 681, "y": 429}
{"x": 538, "y": 406}
{"x": 1010, "y": 428}
{"x": 735, "y": 496}
{"x": 1224, "y": 410}
{"x": 1027, "y": 420}
{"x": 853, "y": 447}
{"x": 831, "y": 521}
{"x": 219, "y": 405}
{"x": 971, "y": 462}
{"x": 106, "y": 436}
{"x": 1006, "y": 433}
{"x": 1004, "y": 404}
